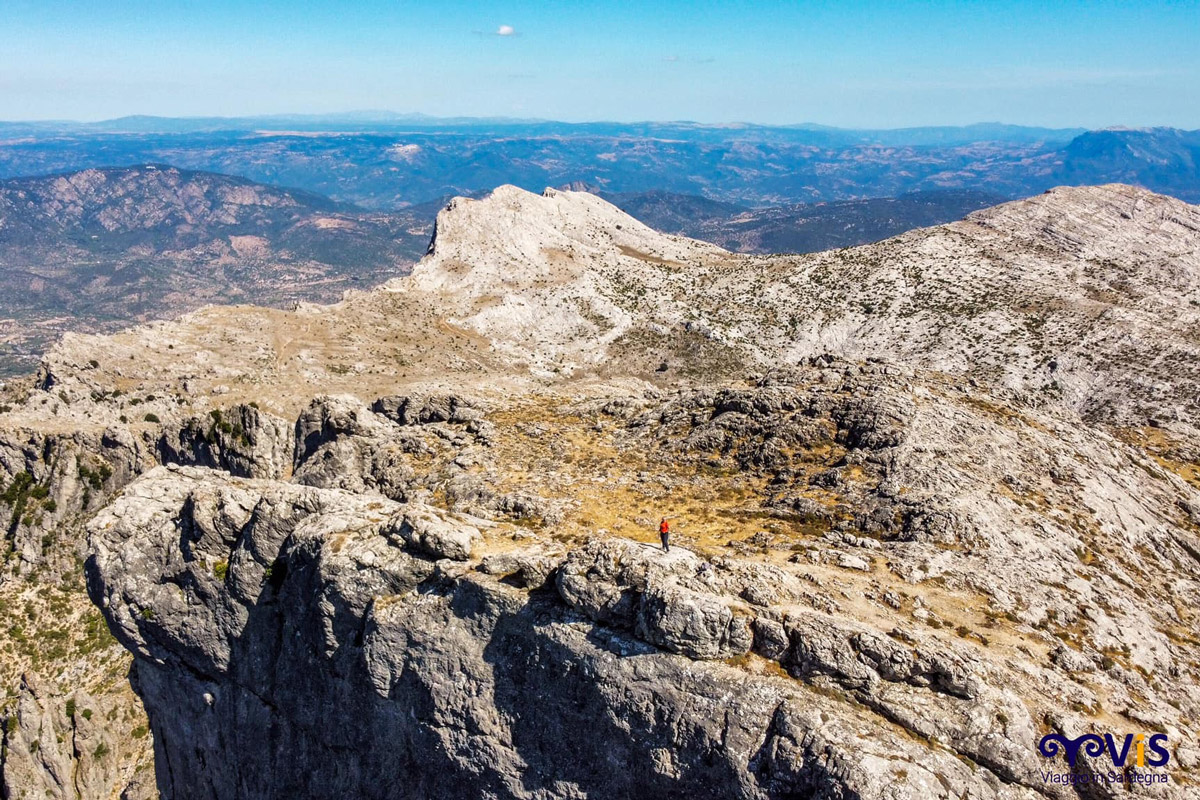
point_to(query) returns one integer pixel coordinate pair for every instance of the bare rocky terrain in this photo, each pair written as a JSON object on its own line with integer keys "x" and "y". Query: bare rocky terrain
{"x": 101, "y": 249}
{"x": 933, "y": 499}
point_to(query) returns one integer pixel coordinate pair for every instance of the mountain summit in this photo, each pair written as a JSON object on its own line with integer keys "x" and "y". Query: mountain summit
{"x": 1066, "y": 297}
{"x": 1066, "y": 294}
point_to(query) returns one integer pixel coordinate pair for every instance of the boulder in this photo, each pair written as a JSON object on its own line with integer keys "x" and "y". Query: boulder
{"x": 431, "y": 533}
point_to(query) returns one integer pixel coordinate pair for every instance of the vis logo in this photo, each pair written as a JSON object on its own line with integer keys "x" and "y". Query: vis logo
{"x": 1146, "y": 751}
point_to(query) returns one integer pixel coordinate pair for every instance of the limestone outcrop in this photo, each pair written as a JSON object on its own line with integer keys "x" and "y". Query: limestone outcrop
{"x": 295, "y": 626}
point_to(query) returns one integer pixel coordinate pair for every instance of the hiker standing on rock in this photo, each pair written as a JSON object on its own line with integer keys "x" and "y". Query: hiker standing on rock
{"x": 664, "y": 531}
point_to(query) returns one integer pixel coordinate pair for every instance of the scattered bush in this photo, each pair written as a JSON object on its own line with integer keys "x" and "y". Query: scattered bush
{"x": 95, "y": 478}
{"x": 17, "y": 490}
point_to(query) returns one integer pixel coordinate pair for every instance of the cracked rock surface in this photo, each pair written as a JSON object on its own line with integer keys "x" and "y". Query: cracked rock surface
{"x": 330, "y": 643}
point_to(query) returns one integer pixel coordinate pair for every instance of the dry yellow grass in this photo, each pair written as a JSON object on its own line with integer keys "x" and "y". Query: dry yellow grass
{"x": 1159, "y": 445}
{"x": 614, "y": 487}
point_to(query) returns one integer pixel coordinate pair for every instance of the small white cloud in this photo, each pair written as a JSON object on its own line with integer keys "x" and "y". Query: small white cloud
{"x": 506, "y": 30}
{"x": 671, "y": 58}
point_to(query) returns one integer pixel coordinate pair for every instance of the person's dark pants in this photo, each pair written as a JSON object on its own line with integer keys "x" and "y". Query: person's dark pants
{"x": 666, "y": 540}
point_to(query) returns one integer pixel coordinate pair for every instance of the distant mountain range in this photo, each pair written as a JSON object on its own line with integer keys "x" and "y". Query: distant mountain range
{"x": 390, "y": 122}
{"x": 799, "y": 228}
{"x": 109, "y": 235}
{"x": 389, "y": 162}
{"x": 100, "y": 249}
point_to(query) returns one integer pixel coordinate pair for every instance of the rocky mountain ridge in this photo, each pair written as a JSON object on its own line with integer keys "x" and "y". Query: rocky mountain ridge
{"x": 411, "y": 533}
{"x": 100, "y": 249}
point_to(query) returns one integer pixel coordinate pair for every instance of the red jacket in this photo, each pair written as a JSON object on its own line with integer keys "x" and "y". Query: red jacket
{"x": 663, "y": 527}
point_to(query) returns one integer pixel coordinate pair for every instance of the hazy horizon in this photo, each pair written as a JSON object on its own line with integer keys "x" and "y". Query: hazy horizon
{"x": 385, "y": 116}
{"x": 865, "y": 65}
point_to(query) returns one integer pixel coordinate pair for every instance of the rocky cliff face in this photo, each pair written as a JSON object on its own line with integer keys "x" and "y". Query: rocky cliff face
{"x": 71, "y": 744}
{"x": 329, "y": 641}
{"x": 895, "y": 566}
{"x": 72, "y": 726}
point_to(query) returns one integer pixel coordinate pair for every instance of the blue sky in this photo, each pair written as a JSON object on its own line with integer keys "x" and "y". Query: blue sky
{"x": 881, "y": 64}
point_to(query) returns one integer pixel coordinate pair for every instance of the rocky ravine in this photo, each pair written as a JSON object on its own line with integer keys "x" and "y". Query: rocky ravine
{"x": 897, "y": 565}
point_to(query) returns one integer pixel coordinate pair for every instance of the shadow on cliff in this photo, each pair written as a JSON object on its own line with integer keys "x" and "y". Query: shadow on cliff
{"x": 593, "y": 709}
{"x": 491, "y": 691}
